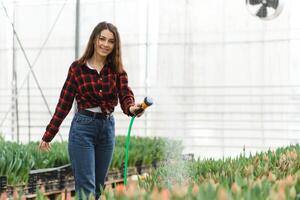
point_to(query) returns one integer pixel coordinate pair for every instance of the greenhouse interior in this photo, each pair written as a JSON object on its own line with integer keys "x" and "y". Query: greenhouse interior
{"x": 223, "y": 77}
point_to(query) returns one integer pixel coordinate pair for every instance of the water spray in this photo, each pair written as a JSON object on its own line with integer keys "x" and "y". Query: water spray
{"x": 146, "y": 103}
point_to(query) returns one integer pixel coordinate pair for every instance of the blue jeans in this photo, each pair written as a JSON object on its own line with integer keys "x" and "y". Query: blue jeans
{"x": 91, "y": 146}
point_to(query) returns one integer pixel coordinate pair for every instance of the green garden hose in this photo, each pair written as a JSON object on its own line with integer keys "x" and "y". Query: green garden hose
{"x": 127, "y": 150}
{"x": 147, "y": 102}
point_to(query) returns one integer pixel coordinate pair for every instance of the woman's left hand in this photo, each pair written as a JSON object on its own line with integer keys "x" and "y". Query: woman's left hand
{"x": 44, "y": 146}
{"x": 135, "y": 108}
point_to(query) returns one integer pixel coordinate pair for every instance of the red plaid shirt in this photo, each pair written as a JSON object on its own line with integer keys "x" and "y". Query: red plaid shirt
{"x": 90, "y": 90}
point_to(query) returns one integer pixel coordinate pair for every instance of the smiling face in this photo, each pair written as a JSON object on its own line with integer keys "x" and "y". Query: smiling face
{"x": 104, "y": 43}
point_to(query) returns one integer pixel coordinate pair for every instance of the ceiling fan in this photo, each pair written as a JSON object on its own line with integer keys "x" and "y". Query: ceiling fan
{"x": 265, "y": 9}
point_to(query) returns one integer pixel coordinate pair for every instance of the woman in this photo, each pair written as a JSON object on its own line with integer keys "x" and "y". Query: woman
{"x": 97, "y": 80}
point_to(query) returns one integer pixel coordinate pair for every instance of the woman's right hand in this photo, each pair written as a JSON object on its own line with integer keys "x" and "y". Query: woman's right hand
{"x": 44, "y": 146}
{"x": 135, "y": 108}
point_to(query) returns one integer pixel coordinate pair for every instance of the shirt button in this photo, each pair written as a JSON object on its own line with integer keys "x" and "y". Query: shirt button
{"x": 100, "y": 90}
{"x": 100, "y": 79}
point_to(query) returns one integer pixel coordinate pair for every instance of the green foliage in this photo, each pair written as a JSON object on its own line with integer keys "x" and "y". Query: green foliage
{"x": 144, "y": 149}
{"x": 16, "y": 160}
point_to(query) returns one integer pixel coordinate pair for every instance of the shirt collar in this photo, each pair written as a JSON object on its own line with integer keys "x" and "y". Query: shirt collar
{"x": 89, "y": 66}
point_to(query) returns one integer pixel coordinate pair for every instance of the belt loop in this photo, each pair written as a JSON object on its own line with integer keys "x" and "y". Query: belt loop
{"x": 94, "y": 115}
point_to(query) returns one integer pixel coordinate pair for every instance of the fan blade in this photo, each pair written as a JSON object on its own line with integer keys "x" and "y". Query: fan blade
{"x": 272, "y": 3}
{"x": 262, "y": 12}
{"x": 255, "y": 2}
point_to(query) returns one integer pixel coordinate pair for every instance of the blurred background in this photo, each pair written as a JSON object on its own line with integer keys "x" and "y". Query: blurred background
{"x": 222, "y": 80}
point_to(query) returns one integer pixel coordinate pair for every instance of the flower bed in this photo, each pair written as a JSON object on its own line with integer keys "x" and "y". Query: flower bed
{"x": 269, "y": 175}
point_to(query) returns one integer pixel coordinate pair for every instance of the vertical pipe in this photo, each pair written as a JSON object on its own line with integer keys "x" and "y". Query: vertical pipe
{"x": 223, "y": 7}
{"x": 13, "y": 98}
{"x": 15, "y": 115}
{"x": 13, "y": 87}
{"x": 77, "y": 28}
{"x": 28, "y": 109}
{"x": 77, "y": 31}
{"x": 187, "y": 78}
{"x": 263, "y": 72}
{"x": 114, "y": 11}
{"x": 146, "y": 62}
{"x": 16, "y": 89}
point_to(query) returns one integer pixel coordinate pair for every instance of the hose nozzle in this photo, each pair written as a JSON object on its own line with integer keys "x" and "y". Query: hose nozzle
{"x": 146, "y": 103}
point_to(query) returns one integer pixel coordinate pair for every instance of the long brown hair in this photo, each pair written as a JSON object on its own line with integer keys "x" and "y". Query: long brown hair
{"x": 114, "y": 59}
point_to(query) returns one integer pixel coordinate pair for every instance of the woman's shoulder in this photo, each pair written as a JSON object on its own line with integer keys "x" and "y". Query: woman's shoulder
{"x": 76, "y": 65}
{"x": 122, "y": 73}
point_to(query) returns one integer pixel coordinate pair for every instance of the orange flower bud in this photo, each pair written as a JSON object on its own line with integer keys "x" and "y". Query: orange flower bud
{"x": 222, "y": 194}
{"x": 120, "y": 188}
{"x": 195, "y": 189}
{"x": 235, "y": 188}
{"x": 289, "y": 180}
{"x": 271, "y": 177}
{"x": 165, "y": 194}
